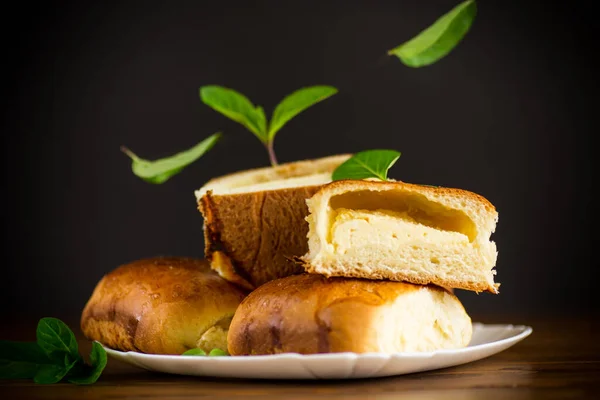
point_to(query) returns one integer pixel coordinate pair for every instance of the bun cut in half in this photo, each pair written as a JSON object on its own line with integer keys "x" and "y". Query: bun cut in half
{"x": 254, "y": 220}
{"x": 310, "y": 314}
{"x": 403, "y": 232}
{"x": 161, "y": 306}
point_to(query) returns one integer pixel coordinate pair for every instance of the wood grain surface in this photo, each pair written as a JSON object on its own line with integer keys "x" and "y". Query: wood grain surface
{"x": 560, "y": 360}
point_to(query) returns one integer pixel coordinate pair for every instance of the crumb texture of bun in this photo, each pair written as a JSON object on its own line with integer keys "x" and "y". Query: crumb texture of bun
{"x": 161, "y": 305}
{"x": 310, "y": 314}
{"x": 254, "y": 220}
{"x": 404, "y": 232}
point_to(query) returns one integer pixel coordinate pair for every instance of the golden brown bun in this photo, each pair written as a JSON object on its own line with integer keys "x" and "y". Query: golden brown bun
{"x": 254, "y": 220}
{"x": 401, "y": 231}
{"x": 163, "y": 305}
{"x": 310, "y": 314}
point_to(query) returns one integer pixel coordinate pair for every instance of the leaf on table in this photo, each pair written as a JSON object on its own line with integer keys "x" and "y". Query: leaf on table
{"x": 21, "y": 360}
{"x": 56, "y": 339}
{"x": 88, "y": 374}
{"x": 53, "y": 373}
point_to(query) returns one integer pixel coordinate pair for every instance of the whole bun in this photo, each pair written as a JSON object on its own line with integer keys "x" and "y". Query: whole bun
{"x": 310, "y": 314}
{"x": 163, "y": 305}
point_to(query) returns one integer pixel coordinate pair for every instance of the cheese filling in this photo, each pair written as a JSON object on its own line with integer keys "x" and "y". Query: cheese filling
{"x": 354, "y": 230}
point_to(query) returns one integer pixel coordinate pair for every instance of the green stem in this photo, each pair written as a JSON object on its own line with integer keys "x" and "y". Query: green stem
{"x": 130, "y": 153}
{"x": 271, "y": 151}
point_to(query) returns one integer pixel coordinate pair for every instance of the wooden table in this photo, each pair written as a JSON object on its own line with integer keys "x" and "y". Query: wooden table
{"x": 561, "y": 359}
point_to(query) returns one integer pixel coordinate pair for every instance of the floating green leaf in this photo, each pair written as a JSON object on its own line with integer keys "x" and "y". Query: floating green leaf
{"x": 367, "y": 164}
{"x": 439, "y": 39}
{"x": 159, "y": 171}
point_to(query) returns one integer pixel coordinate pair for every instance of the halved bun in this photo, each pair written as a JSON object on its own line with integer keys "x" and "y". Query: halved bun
{"x": 161, "y": 306}
{"x": 404, "y": 232}
{"x": 310, "y": 314}
{"x": 254, "y": 220}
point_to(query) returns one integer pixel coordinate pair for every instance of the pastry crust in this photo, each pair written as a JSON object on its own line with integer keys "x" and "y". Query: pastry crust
{"x": 163, "y": 305}
{"x": 254, "y": 220}
{"x": 310, "y": 314}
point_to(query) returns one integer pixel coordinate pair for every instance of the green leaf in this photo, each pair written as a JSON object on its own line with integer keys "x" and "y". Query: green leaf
{"x": 159, "y": 171}
{"x": 57, "y": 340}
{"x": 237, "y": 107}
{"x": 194, "y": 352}
{"x": 21, "y": 360}
{"x": 54, "y": 356}
{"x": 262, "y": 119}
{"x": 199, "y": 352}
{"x": 367, "y": 164}
{"x": 85, "y": 375}
{"x": 295, "y": 103}
{"x": 217, "y": 353}
{"x": 10, "y": 369}
{"x": 49, "y": 374}
{"x": 439, "y": 39}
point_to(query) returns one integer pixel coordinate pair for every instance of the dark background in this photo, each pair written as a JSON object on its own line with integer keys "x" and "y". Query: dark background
{"x": 507, "y": 114}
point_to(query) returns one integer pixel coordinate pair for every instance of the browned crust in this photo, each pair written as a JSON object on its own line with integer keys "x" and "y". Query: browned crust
{"x": 354, "y": 185}
{"x": 447, "y": 284}
{"x": 421, "y": 279}
{"x": 249, "y": 237}
{"x": 221, "y": 263}
{"x": 215, "y": 249}
{"x": 310, "y": 314}
{"x": 155, "y": 305}
{"x": 288, "y": 170}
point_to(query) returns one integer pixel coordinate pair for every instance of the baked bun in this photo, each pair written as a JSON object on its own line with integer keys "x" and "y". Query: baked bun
{"x": 310, "y": 314}
{"x": 402, "y": 232}
{"x": 161, "y": 306}
{"x": 254, "y": 220}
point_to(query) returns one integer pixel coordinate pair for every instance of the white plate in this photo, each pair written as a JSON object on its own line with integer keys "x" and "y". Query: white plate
{"x": 487, "y": 340}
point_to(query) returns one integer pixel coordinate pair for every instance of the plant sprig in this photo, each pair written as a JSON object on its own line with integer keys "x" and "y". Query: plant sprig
{"x": 367, "y": 164}
{"x": 426, "y": 48}
{"x": 240, "y": 109}
{"x": 439, "y": 39}
{"x": 54, "y": 357}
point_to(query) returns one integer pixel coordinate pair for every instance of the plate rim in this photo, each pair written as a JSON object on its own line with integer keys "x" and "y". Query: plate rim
{"x": 522, "y": 331}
